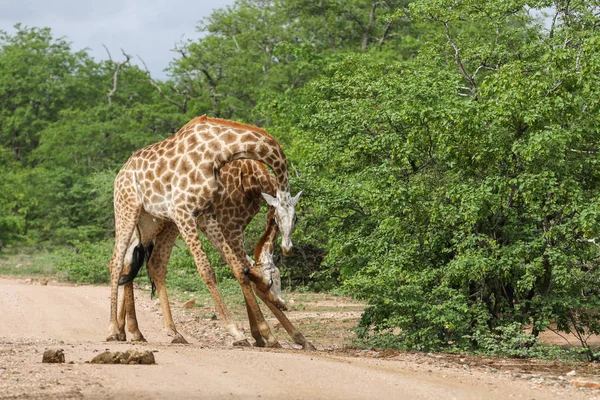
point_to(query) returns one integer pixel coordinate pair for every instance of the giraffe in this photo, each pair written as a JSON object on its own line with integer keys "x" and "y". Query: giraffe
{"x": 177, "y": 180}
{"x": 242, "y": 182}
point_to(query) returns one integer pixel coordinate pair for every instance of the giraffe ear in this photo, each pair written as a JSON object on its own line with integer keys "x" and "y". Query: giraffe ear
{"x": 272, "y": 201}
{"x": 296, "y": 198}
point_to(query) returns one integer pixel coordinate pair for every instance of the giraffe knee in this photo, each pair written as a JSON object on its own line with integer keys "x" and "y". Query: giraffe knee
{"x": 208, "y": 274}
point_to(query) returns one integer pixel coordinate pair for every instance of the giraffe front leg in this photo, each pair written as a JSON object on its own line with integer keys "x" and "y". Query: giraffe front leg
{"x": 189, "y": 231}
{"x": 259, "y": 341}
{"x": 116, "y": 328}
{"x": 236, "y": 259}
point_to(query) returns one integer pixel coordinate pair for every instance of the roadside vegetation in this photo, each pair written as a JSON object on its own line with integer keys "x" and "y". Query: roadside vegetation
{"x": 448, "y": 152}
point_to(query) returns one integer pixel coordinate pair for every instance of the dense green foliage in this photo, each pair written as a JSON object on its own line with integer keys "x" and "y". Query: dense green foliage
{"x": 448, "y": 151}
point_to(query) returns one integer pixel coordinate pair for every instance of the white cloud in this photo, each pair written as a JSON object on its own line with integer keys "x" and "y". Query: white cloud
{"x": 148, "y": 28}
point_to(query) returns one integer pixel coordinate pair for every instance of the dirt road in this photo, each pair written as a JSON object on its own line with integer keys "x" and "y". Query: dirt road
{"x": 34, "y": 318}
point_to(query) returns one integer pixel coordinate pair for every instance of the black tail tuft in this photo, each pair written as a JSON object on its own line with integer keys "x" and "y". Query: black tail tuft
{"x": 147, "y": 255}
{"x": 137, "y": 261}
{"x": 140, "y": 255}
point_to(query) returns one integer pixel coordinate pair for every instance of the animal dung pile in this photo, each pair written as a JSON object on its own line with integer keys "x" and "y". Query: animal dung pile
{"x": 189, "y": 304}
{"x": 127, "y": 357}
{"x": 53, "y": 356}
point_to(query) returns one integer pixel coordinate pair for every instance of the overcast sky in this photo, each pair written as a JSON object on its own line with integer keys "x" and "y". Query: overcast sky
{"x": 148, "y": 28}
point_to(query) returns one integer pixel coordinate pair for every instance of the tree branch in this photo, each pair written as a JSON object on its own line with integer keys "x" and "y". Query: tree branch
{"x": 182, "y": 106}
{"x": 116, "y": 74}
{"x": 459, "y": 64}
{"x": 367, "y": 29}
{"x": 384, "y": 36}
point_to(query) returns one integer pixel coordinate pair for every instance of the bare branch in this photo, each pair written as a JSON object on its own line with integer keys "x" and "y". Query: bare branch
{"x": 180, "y": 50}
{"x": 182, "y": 106}
{"x": 584, "y": 151}
{"x": 593, "y": 241}
{"x": 368, "y": 28}
{"x": 459, "y": 63}
{"x": 295, "y": 171}
{"x": 556, "y": 332}
{"x": 384, "y": 36}
{"x": 116, "y": 74}
{"x": 551, "y": 35}
{"x": 109, "y": 57}
{"x": 482, "y": 65}
{"x": 237, "y": 46}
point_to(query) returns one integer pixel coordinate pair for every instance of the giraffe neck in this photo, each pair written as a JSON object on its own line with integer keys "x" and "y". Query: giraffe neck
{"x": 267, "y": 241}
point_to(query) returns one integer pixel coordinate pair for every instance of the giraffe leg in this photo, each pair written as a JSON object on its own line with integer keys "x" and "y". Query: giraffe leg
{"x": 157, "y": 266}
{"x": 128, "y": 308}
{"x": 259, "y": 341}
{"x": 294, "y": 333}
{"x": 121, "y": 316}
{"x": 189, "y": 231}
{"x": 236, "y": 242}
{"x": 238, "y": 264}
{"x": 125, "y": 220}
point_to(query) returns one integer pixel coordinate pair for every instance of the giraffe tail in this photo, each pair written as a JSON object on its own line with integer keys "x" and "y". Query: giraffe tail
{"x": 140, "y": 255}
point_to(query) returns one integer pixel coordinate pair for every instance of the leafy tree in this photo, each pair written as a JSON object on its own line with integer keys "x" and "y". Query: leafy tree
{"x": 257, "y": 50}
{"x": 39, "y": 77}
{"x": 11, "y": 223}
{"x": 66, "y": 121}
{"x": 457, "y": 190}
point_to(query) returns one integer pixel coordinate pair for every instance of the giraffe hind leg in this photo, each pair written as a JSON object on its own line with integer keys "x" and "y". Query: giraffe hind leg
{"x": 125, "y": 220}
{"x": 157, "y": 268}
{"x": 127, "y": 313}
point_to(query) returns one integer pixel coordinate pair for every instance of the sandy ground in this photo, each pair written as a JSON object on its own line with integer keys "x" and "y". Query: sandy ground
{"x": 35, "y": 317}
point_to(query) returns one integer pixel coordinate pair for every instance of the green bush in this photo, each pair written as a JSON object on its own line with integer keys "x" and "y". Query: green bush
{"x": 85, "y": 262}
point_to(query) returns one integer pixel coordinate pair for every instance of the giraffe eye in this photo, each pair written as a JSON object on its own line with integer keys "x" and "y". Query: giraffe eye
{"x": 270, "y": 282}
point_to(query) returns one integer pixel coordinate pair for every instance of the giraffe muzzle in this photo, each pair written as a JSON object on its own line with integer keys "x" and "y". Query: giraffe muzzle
{"x": 286, "y": 247}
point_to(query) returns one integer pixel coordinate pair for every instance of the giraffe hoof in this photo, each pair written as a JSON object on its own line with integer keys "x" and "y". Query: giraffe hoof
{"x": 179, "y": 340}
{"x": 259, "y": 343}
{"x": 139, "y": 339}
{"x": 274, "y": 345}
{"x": 117, "y": 337}
{"x": 308, "y": 346}
{"x": 241, "y": 343}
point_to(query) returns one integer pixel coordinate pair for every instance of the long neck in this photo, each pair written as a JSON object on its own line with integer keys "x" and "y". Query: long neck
{"x": 266, "y": 243}
{"x": 274, "y": 158}
{"x": 261, "y": 181}
{"x": 238, "y": 141}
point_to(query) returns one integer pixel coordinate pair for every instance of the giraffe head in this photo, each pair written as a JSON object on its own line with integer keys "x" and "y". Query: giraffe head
{"x": 285, "y": 216}
{"x": 267, "y": 279}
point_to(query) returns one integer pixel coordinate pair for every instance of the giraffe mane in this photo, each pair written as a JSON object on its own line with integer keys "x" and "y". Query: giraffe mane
{"x": 225, "y": 122}
{"x": 194, "y": 121}
{"x": 235, "y": 124}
